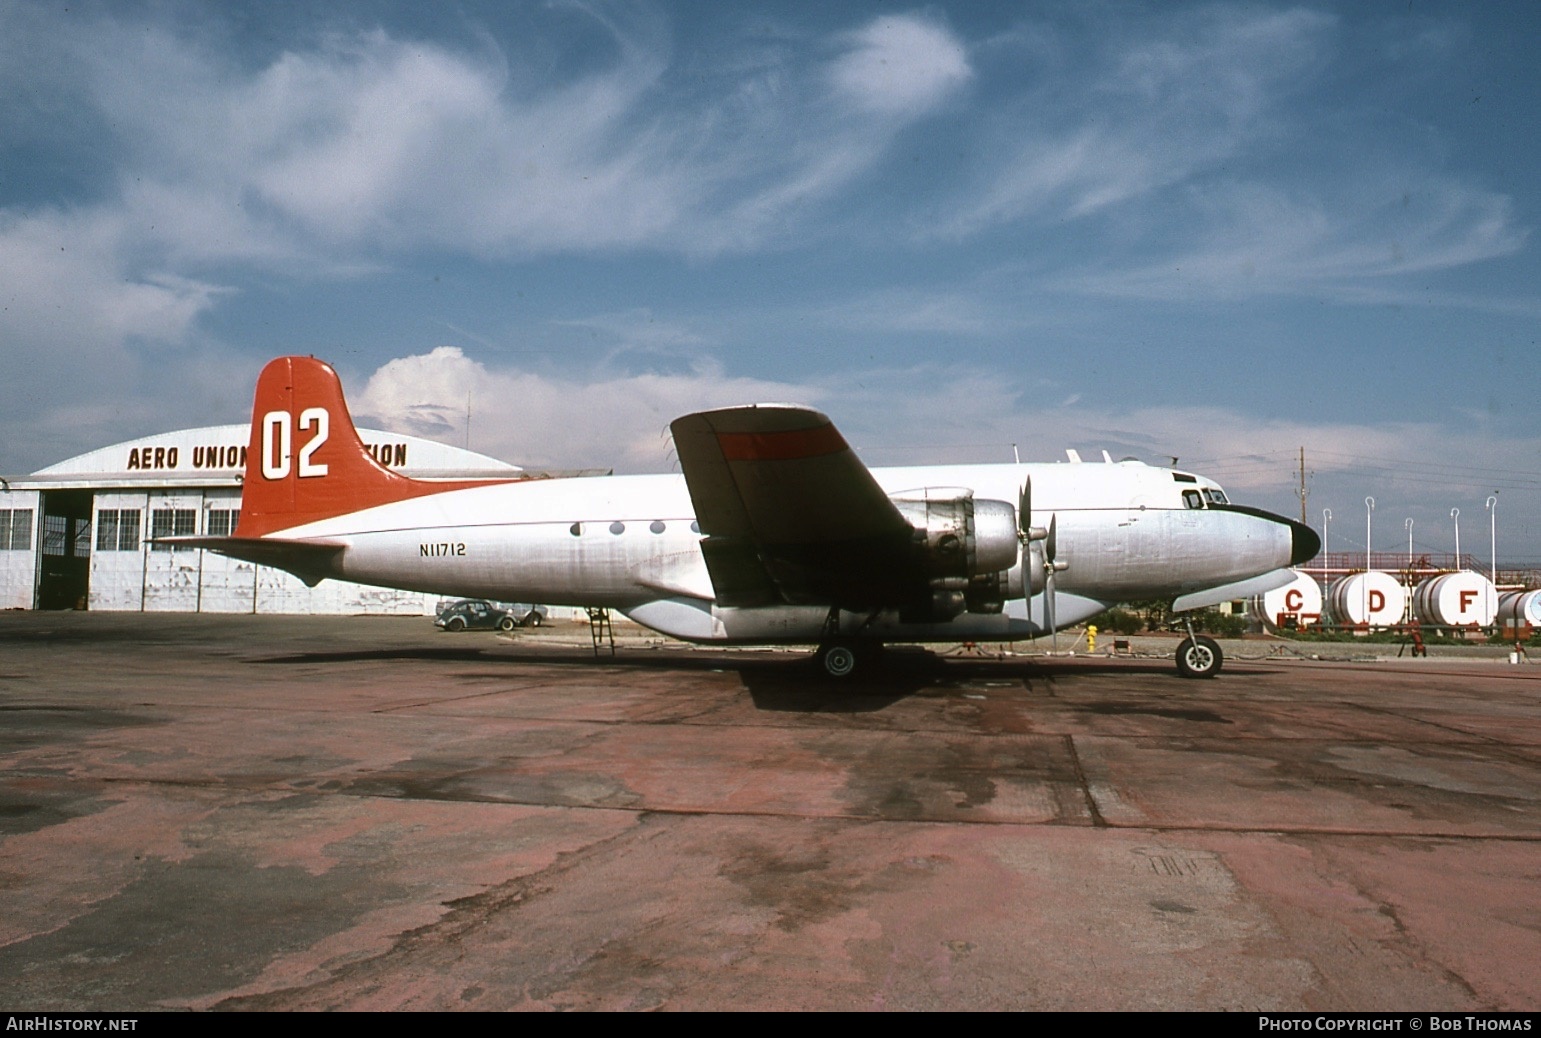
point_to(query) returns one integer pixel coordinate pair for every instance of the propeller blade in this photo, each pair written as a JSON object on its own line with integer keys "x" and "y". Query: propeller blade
{"x": 1024, "y": 535}
{"x": 1048, "y": 606}
{"x": 1050, "y": 544}
{"x": 1045, "y": 563}
{"x": 1051, "y": 566}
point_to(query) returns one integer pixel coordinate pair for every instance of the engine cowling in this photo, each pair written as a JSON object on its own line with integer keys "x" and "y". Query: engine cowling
{"x": 965, "y": 551}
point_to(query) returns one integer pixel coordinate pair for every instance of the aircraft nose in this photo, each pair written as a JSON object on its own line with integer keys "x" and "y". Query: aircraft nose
{"x": 1304, "y": 543}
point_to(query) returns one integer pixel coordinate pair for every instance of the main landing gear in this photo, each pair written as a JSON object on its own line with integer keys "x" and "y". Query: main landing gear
{"x": 841, "y": 659}
{"x": 839, "y": 655}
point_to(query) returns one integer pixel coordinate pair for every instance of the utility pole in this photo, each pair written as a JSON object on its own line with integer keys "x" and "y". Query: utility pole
{"x": 1302, "y": 486}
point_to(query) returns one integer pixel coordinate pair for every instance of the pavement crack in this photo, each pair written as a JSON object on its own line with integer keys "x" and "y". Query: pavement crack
{"x": 441, "y": 939}
{"x": 1086, "y": 790}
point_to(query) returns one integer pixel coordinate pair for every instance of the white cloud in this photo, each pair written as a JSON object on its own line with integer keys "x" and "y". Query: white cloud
{"x": 617, "y": 421}
{"x": 922, "y": 310}
{"x": 348, "y": 153}
{"x": 79, "y": 319}
{"x": 1251, "y": 240}
{"x": 933, "y": 415}
{"x": 354, "y": 146}
{"x": 1159, "y": 101}
{"x": 1203, "y": 144}
{"x": 640, "y": 331}
{"x": 902, "y": 64}
{"x": 67, "y": 281}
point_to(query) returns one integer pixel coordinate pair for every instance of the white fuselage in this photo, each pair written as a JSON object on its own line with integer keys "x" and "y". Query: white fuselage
{"x": 629, "y": 543}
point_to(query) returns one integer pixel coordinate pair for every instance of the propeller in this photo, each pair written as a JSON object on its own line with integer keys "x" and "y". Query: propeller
{"x": 1050, "y": 567}
{"x": 1037, "y": 565}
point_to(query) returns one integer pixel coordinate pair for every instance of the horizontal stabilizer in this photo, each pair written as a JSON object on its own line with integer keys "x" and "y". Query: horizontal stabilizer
{"x": 311, "y": 561}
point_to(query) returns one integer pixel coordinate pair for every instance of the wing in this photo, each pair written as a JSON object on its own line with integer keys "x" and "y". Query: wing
{"x": 790, "y": 514}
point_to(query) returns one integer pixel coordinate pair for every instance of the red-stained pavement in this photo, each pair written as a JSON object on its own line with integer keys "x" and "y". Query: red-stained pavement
{"x": 363, "y": 813}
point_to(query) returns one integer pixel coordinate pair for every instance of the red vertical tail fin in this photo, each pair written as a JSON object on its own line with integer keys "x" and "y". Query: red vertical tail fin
{"x": 305, "y": 461}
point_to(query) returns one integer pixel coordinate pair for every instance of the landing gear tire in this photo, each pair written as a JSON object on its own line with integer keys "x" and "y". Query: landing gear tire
{"x": 838, "y": 661}
{"x": 1199, "y": 657}
{"x": 506, "y": 624}
{"x": 842, "y": 659}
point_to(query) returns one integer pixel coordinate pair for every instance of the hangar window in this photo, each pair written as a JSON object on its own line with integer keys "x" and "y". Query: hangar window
{"x": 15, "y": 529}
{"x": 55, "y": 532}
{"x": 223, "y": 521}
{"x": 117, "y": 529}
{"x": 172, "y": 522}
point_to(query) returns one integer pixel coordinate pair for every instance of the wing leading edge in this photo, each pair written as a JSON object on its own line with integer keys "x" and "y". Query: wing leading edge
{"x": 790, "y": 514}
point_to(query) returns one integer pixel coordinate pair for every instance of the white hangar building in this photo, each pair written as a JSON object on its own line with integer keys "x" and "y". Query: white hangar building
{"x": 77, "y": 534}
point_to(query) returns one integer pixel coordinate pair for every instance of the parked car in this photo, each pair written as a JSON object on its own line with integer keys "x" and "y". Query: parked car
{"x": 526, "y": 614}
{"x": 476, "y": 614}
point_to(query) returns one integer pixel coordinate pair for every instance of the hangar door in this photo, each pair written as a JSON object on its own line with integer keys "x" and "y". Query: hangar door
{"x": 64, "y": 561}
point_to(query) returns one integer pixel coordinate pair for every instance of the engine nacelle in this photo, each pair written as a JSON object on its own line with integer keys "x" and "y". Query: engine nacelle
{"x": 966, "y": 549}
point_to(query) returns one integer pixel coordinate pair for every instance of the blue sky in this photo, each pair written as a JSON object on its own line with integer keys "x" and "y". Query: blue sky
{"x": 1215, "y": 231}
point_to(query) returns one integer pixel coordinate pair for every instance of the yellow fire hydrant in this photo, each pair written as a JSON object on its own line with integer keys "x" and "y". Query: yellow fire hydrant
{"x": 1091, "y": 638}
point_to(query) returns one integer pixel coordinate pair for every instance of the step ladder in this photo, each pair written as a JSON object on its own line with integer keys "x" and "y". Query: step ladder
{"x": 600, "y": 631}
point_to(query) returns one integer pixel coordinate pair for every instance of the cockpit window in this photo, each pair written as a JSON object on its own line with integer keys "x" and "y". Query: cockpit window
{"x": 1191, "y": 499}
{"x": 1215, "y": 496}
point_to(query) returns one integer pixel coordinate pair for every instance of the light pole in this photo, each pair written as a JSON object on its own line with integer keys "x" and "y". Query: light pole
{"x": 1409, "y": 525}
{"x": 1369, "y": 510}
{"x": 1455, "y": 513}
{"x": 1326, "y": 519}
{"x": 1492, "y": 521}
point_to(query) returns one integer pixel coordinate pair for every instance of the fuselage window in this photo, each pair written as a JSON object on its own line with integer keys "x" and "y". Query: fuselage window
{"x": 617, "y": 527}
{"x": 656, "y": 526}
{"x": 576, "y": 529}
{"x": 1191, "y": 499}
{"x": 695, "y": 527}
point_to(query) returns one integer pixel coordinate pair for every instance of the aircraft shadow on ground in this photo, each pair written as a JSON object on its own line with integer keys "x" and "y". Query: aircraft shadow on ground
{"x": 783, "y": 682}
{"x": 456, "y": 654}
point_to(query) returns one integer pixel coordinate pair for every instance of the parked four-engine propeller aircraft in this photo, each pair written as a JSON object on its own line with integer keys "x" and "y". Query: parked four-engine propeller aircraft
{"x": 775, "y": 534}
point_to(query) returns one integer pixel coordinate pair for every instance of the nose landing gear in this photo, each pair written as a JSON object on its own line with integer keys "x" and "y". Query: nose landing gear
{"x": 1198, "y": 656}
